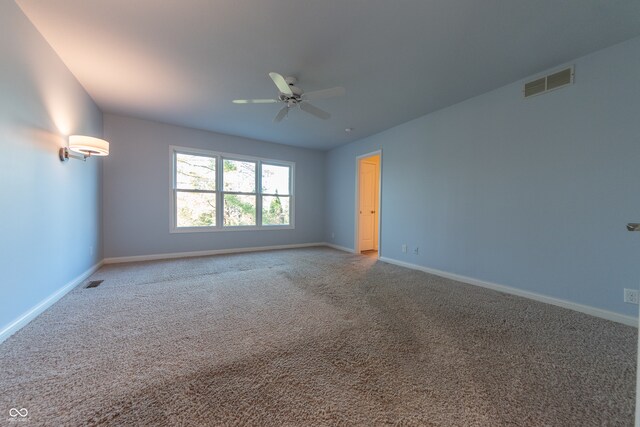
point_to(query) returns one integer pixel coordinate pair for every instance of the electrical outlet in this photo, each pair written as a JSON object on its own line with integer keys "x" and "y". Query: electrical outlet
{"x": 90, "y": 250}
{"x": 333, "y": 235}
{"x": 416, "y": 251}
{"x": 631, "y": 296}
{"x": 404, "y": 248}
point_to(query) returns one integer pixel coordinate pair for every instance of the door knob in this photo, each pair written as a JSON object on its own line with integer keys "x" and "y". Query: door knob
{"x": 633, "y": 226}
{"x": 373, "y": 211}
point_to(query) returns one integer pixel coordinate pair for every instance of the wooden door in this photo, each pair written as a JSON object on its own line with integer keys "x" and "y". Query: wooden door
{"x": 368, "y": 188}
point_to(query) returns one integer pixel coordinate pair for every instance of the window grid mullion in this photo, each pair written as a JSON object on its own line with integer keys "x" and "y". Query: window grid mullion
{"x": 259, "y": 194}
{"x": 219, "y": 195}
{"x": 188, "y": 190}
{"x": 240, "y": 193}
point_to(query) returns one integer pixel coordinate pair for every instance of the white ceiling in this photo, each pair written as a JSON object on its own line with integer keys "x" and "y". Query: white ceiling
{"x": 182, "y": 62}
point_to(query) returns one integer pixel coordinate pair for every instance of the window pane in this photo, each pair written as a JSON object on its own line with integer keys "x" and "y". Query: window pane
{"x": 275, "y": 210}
{"x": 275, "y": 179}
{"x": 239, "y": 209}
{"x": 239, "y": 176}
{"x": 195, "y": 209}
{"x": 195, "y": 172}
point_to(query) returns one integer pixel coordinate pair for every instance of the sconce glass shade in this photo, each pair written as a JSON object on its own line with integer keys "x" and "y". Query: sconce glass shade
{"x": 88, "y": 145}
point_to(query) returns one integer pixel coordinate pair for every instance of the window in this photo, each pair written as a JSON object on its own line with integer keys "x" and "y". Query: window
{"x": 195, "y": 190}
{"x": 218, "y": 191}
{"x": 240, "y": 193}
{"x": 275, "y": 194}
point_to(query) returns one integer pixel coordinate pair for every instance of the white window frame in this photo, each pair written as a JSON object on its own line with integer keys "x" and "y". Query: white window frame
{"x": 219, "y": 191}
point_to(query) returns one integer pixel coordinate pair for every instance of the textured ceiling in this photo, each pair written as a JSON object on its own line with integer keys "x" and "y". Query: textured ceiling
{"x": 183, "y": 62}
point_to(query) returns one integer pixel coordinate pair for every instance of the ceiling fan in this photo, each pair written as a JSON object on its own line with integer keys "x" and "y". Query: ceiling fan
{"x": 292, "y": 96}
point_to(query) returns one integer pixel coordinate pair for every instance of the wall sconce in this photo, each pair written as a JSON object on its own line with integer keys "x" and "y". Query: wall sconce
{"x": 86, "y": 146}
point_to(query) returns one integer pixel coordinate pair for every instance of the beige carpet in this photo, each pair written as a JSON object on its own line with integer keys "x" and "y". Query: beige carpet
{"x": 311, "y": 337}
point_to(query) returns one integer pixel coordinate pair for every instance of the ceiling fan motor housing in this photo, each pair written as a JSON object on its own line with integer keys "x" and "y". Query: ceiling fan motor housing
{"x": 286, "y": 98}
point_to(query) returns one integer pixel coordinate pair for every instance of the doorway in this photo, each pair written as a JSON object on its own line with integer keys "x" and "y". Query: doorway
{"x": 368, "y": 178}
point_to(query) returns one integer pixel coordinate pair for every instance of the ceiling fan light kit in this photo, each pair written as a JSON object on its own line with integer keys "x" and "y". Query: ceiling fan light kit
{"x": 292, "y": 96}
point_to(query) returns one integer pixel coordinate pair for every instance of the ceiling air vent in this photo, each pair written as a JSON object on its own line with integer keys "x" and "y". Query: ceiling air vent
{"x": 549, "y": 82}
{"x": 535, "y": 87}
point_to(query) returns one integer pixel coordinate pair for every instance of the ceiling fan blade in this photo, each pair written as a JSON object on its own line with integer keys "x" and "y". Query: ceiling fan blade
{"x": 324, "y": 93}
{"x": 281, "y": 114}
{"x": 305, "y": 106}
{"x": 281, "y": 83}
{"x": 255, "y": 101}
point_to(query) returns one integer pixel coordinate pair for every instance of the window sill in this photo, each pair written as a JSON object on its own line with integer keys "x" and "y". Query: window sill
{"x": 180, "y": 230}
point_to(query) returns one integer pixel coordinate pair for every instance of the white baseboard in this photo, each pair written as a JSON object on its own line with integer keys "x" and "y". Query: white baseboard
{"x": 154, "y": 257}
{"x": 32, "y": 313}
{"x": 593, "y": 311}
{"x": 340, "y": 248}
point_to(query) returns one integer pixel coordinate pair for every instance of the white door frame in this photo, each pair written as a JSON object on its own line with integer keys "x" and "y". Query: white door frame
{"x": 356, "y": 233}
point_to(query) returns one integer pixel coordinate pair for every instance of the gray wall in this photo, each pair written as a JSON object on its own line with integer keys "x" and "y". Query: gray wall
{"x": 137, "y": 183}
{"x": 50, "y": 216}
{"x": 528, "y": 193}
